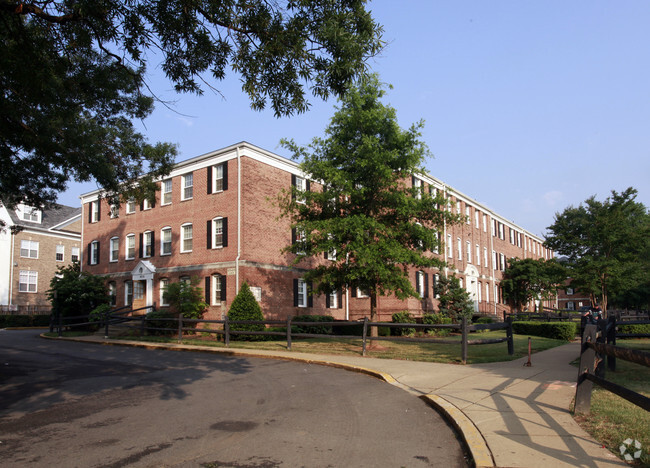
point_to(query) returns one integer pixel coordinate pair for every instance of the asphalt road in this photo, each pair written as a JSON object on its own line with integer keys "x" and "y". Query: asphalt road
{"x": 82, "y": 405}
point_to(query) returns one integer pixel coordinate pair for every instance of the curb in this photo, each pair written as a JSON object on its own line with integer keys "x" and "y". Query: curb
{"x": 476, "y": 445}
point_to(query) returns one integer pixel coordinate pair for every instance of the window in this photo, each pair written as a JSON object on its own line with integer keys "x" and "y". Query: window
{"x": 501, "y": 234}
{"x": 301, "y": 293}
{"x": 436, "y": 281}
{"x": 487, "y": 292}
{"x": 495, "y": 260}
{"x": 299, "y": 238}
{"x": 166, "y": 241}
{"x": 479, "y": 289}
{"x": 512, "y": 236}
{"x": 166, "y": 192}
{"x": 188, "y": 186}
{"x": 60, "y": 253}
{"x": 450, "y": 247}
{"x": 164, "y": 283}
{"x": 361, "y": 293}
{"x": 477, "y": 217}
{"x": 484, "y": 223}
{"x": 94, "y": 211}
{"x": 570, "y": 305}
{"x": 417, "y": 185}
{"x": 130, "y": 246}
{"x": 494, "y": 227}
{"x": 185, "y": 279}
{"x": 29, "y": 249}
{"x": 302, "y": 185}
{"x": 332, "y": 300}
{"x": 138, "y": 290}
{"x": 331, "y": 253}
{"x": 218, "y": 178}
{"x": 74, "y": 255}
{"x": 468, "y": 250}
{"x": 114, "y": 247}
{"x": 478, "y": 255}
{"x": 27, "y": 281}
{"x": 460, "y": 249}
{"x": 130, "y": 206}
{"x": 459, "y": 209}
{"x": 30, "y": 214}
{"x": 422, "y": 284}
{"x": 485, "y": 256}
{"x": 436, "y": 249}
{"x": 218, "y": 229}
{"x": 112, "y": 293}
{"x": 519, "y": 239}
{"x": 569, "y": 291}
{"x": 114, "y": 211}
{"x": 186, "y": 237}
{"x": 94, "y": 253}
{"x": 147, "y": 244}
{"x": 468, "y": 214}
{"x": 502, "y": 262}
{"x": 218, "y": 289}
{"x": 128, "y": 292}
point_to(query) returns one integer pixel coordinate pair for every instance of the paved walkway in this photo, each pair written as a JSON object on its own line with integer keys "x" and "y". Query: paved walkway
{"x": 509, "y": 414}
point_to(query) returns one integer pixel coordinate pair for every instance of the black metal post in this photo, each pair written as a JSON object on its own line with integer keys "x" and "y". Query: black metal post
{"x": 511, "y": 342}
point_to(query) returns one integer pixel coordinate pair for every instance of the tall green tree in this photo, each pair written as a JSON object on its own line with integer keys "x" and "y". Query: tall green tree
{"x": 73, "y": 292}
{"x": 603, "y": 242}
{"x": 527, "y": 279}
{"x": 186, "y": 298}
{"x": 368, "y": 218}
{"x": 73, "y": 77}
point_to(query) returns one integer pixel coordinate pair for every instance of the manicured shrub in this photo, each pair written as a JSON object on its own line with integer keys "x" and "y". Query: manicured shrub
{"x": 8, "y": 321}
{"x": 436, "y": 319}
{"x": 484, "y": 320}
{"x": 556, "y": 330}
{"x": 402, "y": 317}
{"x": 640, "y": 329}
{"x": 161, "y": 322}
{"x": 312, "y": 329}
{"x": 244, "y": 307}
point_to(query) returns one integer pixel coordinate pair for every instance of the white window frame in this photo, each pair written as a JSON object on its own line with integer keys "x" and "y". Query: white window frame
{"x": 163, "y": 285}
{"x": 112, "y": 293}
{"x": 114, "y": 249}
{"x": 334, "y": 299}
{"x": 419, "y": 283}
{"x": 450, "y": 247}
{"x": 569, "y": 291}
{"x": 302, "y": 293}
{"x": 468, "y": 214}
{"x": 29, "y": 213}
{"x": 94, "y": 252}
{"x": 485, "y": 222}
{"x": 28, "y": 281}
{"x": 30, "y": 247}
{"x": 128, "y": 292}
{"x": 301, "y": 187}
{"x": 147, "y": 243}
{"x": 361, "y": 293}
{"x": 217, "y": 178}
{"x": 300, "y": 240}
{"x": 187, "y": 241}
{"x": 130, "y": 206}
{"x": 487, "y": 292}
{"x": 146, "y": 204}
{"x": 129, "y": 247}
{"x": 486, "y": 257}
{"x": 60, "y": 250}
{"x": 217, "y": 284}
{"x": 460, "y": 248}
{"x": 570, "y": 305}
{"x": 94, "y": 209}
{"x": 163, "y": 242}
{"x": 478, "y": 255}
{"x": 187, "y": 191}
{"x": 166, "y": 197}
{"x": 114, "y": 211}
{"x": 75, "y": 252}
{"x": 477, "y": 219}
{"x": 417, "y": 185}
{"x": 215, "y": 222}
{"x": 468, "y": 249}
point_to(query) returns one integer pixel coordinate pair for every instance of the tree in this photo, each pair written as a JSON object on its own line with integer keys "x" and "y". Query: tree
{"x": 529, "y": 279}
{"x": 186, "y": 298}
{"x": 603, "y": 242}
{"x": 245, "y": 307}
{"x": 73, "y": 78}
{"x": 367, "y": 218}
{"x": 73, "y": 292}
{"x": 454, "y": 300}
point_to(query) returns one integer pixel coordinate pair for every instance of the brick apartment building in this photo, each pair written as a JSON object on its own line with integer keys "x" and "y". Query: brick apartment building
{"x": 214, "y": 218}
{"x": 33, "y": 244}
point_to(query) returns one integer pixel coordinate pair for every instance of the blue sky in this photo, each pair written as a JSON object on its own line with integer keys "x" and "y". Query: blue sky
{"x": 529, "y": 107}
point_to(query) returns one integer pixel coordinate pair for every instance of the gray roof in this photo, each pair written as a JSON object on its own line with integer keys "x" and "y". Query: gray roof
{"x": 51, "y": 217}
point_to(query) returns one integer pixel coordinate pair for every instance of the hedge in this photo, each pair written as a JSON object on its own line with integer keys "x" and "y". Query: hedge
{"x": 312, "y": 329}
{"x": 556, "y": 330}
{"x": 24, "y": 321}
{"x": 641, "y": 329}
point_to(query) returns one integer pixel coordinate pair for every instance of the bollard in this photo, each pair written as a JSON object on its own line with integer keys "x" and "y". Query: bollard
{"x": 529, "y": 364}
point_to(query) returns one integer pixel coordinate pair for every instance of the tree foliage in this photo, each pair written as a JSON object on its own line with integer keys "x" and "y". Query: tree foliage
{"x": 73, "y": 292}
{"x": 603, "y": 243}
{"x": 245, "y": 307}
{"x": 73, "y": 77}
{"x": 367, "y": 215}
{"x": 186, "y": 298}
{"x": 454, "y": 300}
{"x": 529, "y": 279}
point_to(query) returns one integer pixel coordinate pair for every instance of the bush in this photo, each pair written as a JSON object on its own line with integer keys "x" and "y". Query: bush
{"x": 357, "y": 330}
{"x": 641, "y": 329}
{"x": 7, "y": 321}
{"x": 559, "y": 331}
{"x": 186, "y": 298}
{"x": 75, "y": 293}
{"x": 312, "y": 329}
{"x": 484, "y": 320}
{"x": 161, "y": 322}
{"x": 402, "y": 317}
{"x": 244, "y": 308}
{"x": 437, "y": 319}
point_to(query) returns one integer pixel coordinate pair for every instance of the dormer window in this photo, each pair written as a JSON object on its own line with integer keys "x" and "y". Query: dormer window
{"x": 28, "y": 213}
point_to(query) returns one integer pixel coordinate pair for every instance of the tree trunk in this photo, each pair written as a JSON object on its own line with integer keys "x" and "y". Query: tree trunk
{"x": 374, "y": 331}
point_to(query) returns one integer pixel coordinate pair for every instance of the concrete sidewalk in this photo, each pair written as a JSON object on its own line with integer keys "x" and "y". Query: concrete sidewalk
{"x": 510, "y": 415}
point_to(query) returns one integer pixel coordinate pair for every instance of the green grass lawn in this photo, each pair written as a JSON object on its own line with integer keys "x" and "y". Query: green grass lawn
{"x": 613, "y": 419}
{"x": 430, "y": 352}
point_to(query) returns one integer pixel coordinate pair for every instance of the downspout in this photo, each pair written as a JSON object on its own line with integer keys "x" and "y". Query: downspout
{"x": 81, "y": 241}
{"x": 444, "y": 234}
{"x": 238, "y": 220}
{"x": 494, "y": 282}
{"x": 11, "y": 269}
{"x": 347, "y": 292}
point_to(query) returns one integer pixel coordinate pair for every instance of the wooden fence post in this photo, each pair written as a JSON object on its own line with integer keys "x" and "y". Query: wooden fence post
{"x": 464, "y": 340}
{"x": 60, "y": 324}
{"x": 601, "y": 337}
{"x": 226, "y": 329}
{"x": 587, "y": 360}
{"x": 611, "y": 339}
{"x": 180, "y": 328}
{"x": 364, "y": 335}
{"x": 511, "y": 342}
{"x": 289, "y": 332}
{"x": 107, "y": 317}
{"x": 142, "y": 319}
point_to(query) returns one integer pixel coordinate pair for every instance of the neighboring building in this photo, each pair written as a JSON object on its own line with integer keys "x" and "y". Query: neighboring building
{"x": 33, "y": 243}
{"x": 571, "y": 299}
{"x": 215, "y": 218}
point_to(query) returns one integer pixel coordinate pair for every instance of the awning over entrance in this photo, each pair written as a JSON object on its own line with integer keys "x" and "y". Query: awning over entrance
{"x": 144, "y": 270}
